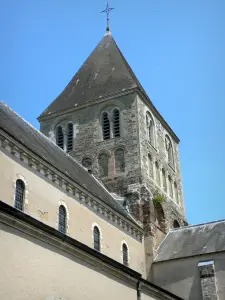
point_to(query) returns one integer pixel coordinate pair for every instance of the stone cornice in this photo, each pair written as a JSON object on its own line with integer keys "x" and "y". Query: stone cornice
{"x": 90, "y": 103}
{"x": 33, "y": 161}
{"x": 155, "y": 291}
{"x": 139, "y": 91}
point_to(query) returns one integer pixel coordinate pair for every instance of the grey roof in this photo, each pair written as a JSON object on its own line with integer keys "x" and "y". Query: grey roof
{"x": 105, "y": 72}
{"x": 39, "y": 144}
{"x": 192, "y": 240}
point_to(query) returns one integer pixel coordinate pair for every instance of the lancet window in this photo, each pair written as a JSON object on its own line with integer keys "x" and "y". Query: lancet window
{"x": 62, "y": 219}
{"x": 119, "y": 161}
{"x": 60, "y": 137}
{"x": 69, "y": 137}
{"x": 150, "y": 129}
{"x": 103, "y": 161}
{"x": 19, "y": 194}
{"x": 169, "y": 151}
{"x": 125, "y": 254}
{"x": 96, "y": 235}
{"x": 110, "y": 123}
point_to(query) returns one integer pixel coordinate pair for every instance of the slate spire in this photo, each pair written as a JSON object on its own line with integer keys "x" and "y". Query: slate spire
{"x": 104, "y": 73}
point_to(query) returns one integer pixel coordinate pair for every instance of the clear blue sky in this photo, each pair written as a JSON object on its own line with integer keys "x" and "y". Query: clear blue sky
{"x": 176, "y": 48}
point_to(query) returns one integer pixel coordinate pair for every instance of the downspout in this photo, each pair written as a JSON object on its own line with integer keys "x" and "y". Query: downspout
{"x": 138, "y": 290}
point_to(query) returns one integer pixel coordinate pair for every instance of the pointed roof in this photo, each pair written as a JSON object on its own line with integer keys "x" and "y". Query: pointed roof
{"x": 105, "y": 72}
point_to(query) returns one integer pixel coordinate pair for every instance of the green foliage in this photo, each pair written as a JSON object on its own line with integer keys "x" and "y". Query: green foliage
{"x": 158, "y": 198}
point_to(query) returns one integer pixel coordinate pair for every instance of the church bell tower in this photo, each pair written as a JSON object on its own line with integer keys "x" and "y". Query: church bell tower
{"x": 106, "y": 121}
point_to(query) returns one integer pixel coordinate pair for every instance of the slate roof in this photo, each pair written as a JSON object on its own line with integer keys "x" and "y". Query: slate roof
{"x": 39, "y": 144}
{"x": 192, "y": 240}
{"x": 105, "y": 72}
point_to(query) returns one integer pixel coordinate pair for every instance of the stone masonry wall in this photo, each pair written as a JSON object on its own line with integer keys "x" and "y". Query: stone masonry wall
{"x": 88, "y": 141}
{"x": 173, "y": 208}
{"x": 136, "y": 180}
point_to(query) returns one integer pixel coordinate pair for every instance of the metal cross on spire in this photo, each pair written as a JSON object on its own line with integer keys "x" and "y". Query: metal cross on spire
{"x": 107, "y": 11}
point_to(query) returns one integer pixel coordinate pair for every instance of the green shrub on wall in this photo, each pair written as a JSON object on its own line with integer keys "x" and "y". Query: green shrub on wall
{"x": 158, "y": 198}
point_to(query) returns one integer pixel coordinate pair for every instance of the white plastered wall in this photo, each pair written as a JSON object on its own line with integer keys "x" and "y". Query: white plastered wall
{"x": 43, "y": 200}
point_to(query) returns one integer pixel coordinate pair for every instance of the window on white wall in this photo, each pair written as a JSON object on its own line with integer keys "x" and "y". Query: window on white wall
{"x": 19, "y": 194}
{"x": 125, "y": 254}
{"x": 96, "y": 235}
{"x": 62, "y": 219}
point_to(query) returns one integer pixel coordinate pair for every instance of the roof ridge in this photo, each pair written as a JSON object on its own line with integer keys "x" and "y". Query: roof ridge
{"x": 29, "y": 124}
{"x": 196, "y": 225}
{"x": 128, "y": 66}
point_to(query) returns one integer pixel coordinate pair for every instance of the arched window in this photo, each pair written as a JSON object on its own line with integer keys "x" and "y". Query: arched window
{"x": 103, "y": 161}
{"x": 116, "y": 123}
{"x": 119, "y": 161}
{"x": 62, "y": 219}
{"x": 60, "y": 137}
{"x": 164, "y": 180}
{"x": 150, "y": 166}
{"x": 169, "y": 151}
{"x": 19, "y": 194}
{"x": 96, "y": 233}
{"x": 157, "y": 172}
{"x": 150, "y": 129}
{"x": 105, "y": 126}
{"x": 176, "y": 192}
{"x": 170, "y": 186}
{"x": 69, "y": 137}
{"x": 125, "y": 254}
{"x": 86, "y": 162}
{"x": 176, "y": 224}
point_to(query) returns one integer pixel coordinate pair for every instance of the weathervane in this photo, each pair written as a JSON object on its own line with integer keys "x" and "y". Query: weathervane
{"x": 107, "y": 11}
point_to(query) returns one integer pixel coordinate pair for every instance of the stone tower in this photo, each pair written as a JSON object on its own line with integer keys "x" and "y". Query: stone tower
{"x": 105, "y": 120}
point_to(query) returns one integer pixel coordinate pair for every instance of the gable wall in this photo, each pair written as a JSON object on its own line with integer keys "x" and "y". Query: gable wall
{"x": 182, "y": 277}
